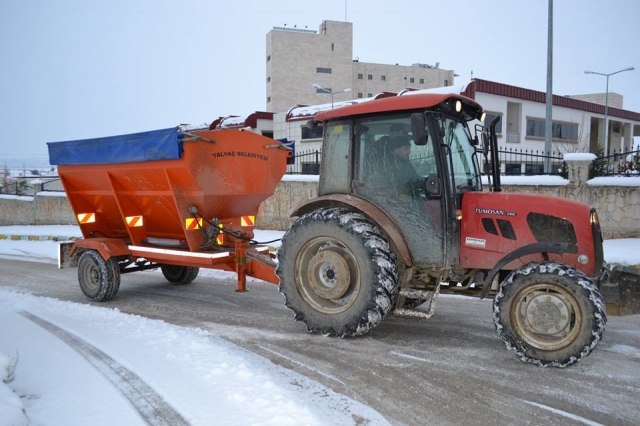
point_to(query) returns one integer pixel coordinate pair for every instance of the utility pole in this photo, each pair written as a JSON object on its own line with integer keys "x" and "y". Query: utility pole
{"x": 548, "y": 123}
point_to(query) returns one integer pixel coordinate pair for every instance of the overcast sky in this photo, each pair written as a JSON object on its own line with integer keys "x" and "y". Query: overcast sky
{"x": 73, "y": 69}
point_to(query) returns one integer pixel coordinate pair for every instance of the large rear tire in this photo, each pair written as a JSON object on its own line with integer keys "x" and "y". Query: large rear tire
{"x": 180, "y": 275}
{"x": 337, "y": 272}
{"x": 549, "y": 314}
{"x": 99, "y": 279}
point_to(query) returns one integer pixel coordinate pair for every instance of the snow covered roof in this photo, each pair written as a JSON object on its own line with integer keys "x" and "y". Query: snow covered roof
{"x": 306, "y": 112}
{"x": 234, "y": 121}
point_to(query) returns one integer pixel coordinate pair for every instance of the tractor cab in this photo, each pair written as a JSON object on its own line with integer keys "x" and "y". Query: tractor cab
{"x": 413, "y": 164}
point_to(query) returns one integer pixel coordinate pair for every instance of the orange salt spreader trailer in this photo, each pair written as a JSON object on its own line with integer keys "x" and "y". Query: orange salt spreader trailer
{"x": 174, "y": 199}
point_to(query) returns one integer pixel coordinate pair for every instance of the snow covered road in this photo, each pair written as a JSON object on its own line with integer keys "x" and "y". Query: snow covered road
{"x": 219, "y": 357}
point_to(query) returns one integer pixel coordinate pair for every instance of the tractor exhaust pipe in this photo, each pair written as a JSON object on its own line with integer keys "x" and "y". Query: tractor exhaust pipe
{"x": 495, "y": 160}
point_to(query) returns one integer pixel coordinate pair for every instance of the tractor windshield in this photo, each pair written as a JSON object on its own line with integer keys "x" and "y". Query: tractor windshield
{"x": 462, "y": 161}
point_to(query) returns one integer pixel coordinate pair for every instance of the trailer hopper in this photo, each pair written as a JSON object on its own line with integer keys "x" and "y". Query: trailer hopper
{"x": 173, "y": 199}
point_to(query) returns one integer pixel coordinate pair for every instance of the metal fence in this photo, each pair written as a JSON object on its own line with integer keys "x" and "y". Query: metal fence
{"x": 516, "y": 162}
{"x": 519, "y": 162}
{"x": 15, "y": 187}
{"x": 29, "y": 185}
{"x": 618, "y": 163}
{"x": 305, "y": 163}
{"x": 53, "y": 185}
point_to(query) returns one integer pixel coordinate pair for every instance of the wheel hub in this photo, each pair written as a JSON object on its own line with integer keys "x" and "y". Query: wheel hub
{"x": 329, "y": 274}
{"x": 547, "y": 314}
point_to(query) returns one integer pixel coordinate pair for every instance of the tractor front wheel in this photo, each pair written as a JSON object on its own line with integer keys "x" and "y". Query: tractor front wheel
{"x": 549, "y": 314}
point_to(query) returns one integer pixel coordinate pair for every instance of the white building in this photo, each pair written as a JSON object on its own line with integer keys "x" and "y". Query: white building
{"x": 578, "y": 124}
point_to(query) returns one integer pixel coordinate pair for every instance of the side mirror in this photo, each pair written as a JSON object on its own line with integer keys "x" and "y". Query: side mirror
{"x": 419, "y": 129}
{"x": 485, "y": 143}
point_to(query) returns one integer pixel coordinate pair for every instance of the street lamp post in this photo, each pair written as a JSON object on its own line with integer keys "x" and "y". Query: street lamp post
{"x": 330, "y": 91}
{"x": 606, "y": 106}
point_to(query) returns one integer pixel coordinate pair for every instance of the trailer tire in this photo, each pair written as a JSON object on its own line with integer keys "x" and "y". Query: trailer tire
{"x": 337, "y": 272}
{"x": 180, "y": 275}
{"x": 99, "y": 279}
{"x": 549, "y": 314}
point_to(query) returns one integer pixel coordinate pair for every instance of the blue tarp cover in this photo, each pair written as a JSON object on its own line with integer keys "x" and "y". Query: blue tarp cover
{"x": 135, "y": 147}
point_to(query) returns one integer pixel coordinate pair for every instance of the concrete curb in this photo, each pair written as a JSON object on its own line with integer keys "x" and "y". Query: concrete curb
{"x": 17, "y": 237}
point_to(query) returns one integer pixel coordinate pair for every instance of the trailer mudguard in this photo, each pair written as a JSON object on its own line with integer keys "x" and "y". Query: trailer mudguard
{"x": 107, "y": 247}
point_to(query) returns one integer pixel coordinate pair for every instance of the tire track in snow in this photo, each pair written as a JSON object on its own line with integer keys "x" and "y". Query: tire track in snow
{"x": 147, "y": 402}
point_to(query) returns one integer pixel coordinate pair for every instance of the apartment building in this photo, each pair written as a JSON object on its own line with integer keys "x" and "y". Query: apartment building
{"x": 297, "y": 59}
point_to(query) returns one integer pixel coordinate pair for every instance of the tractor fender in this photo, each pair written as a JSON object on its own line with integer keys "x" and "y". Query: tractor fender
{"x": 543, "y": 248}
{"x": 365, "y": 207}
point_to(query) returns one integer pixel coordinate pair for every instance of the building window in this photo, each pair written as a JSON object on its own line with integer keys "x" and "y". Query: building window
{"x": 369, "y": 77}
{"x": 369, "y": 95}
{"x": 268, "y": 79}
{"x": 422, "y": 81}
{"x": 568, "y": 132}
{"x": 360, "y": 76}
{"x": 332, "y": 47}
{"x": 268, "y": 99}
{"x": 489, "y": 118}
{"x": 320, "y": 70}
{"x": 412, "y": 80}
{"x": 323, "y": 90}
{"x": 383, "y": 78}
{"x": 535, "y": 128}
{"x": 359, "y": 95}
{"x": 563, "y": 131}
{"x": 268, "y": 58}
{"x": 308, "y": 133}
{"x": 446, "y": 82}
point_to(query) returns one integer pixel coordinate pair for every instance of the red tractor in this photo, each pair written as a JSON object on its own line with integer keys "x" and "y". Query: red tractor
{"x": 402, "y": 216}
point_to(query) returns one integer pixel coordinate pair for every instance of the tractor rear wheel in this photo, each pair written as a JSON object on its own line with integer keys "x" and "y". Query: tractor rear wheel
{"x": 337, "y": 272}
{"x": 179, "y": 274}
{"x": 549, "y": 314}
{"x": 99, "y": 279}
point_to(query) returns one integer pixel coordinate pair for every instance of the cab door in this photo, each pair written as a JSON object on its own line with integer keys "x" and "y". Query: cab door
{"x": 419, "y": 216}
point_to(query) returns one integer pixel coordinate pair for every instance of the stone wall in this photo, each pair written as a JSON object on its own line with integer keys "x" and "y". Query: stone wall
{"x": 618, "y": 206}
{"x": 46, "y": 208}
{"x": 274, "y": 211}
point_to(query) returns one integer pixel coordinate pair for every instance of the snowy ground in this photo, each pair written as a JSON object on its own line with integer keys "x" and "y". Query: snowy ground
{"x": 64, "y": 363}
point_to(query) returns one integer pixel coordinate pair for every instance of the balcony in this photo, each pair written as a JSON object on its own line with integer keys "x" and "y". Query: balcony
{"x": 513, "y": 137}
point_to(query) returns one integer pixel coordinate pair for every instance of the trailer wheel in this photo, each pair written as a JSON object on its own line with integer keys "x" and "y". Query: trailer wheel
{"x": 179, "y": 274}
{"x": 99, "y": 279}
{"x": 337, "y": 272}
{"x": 549, "y": 314}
